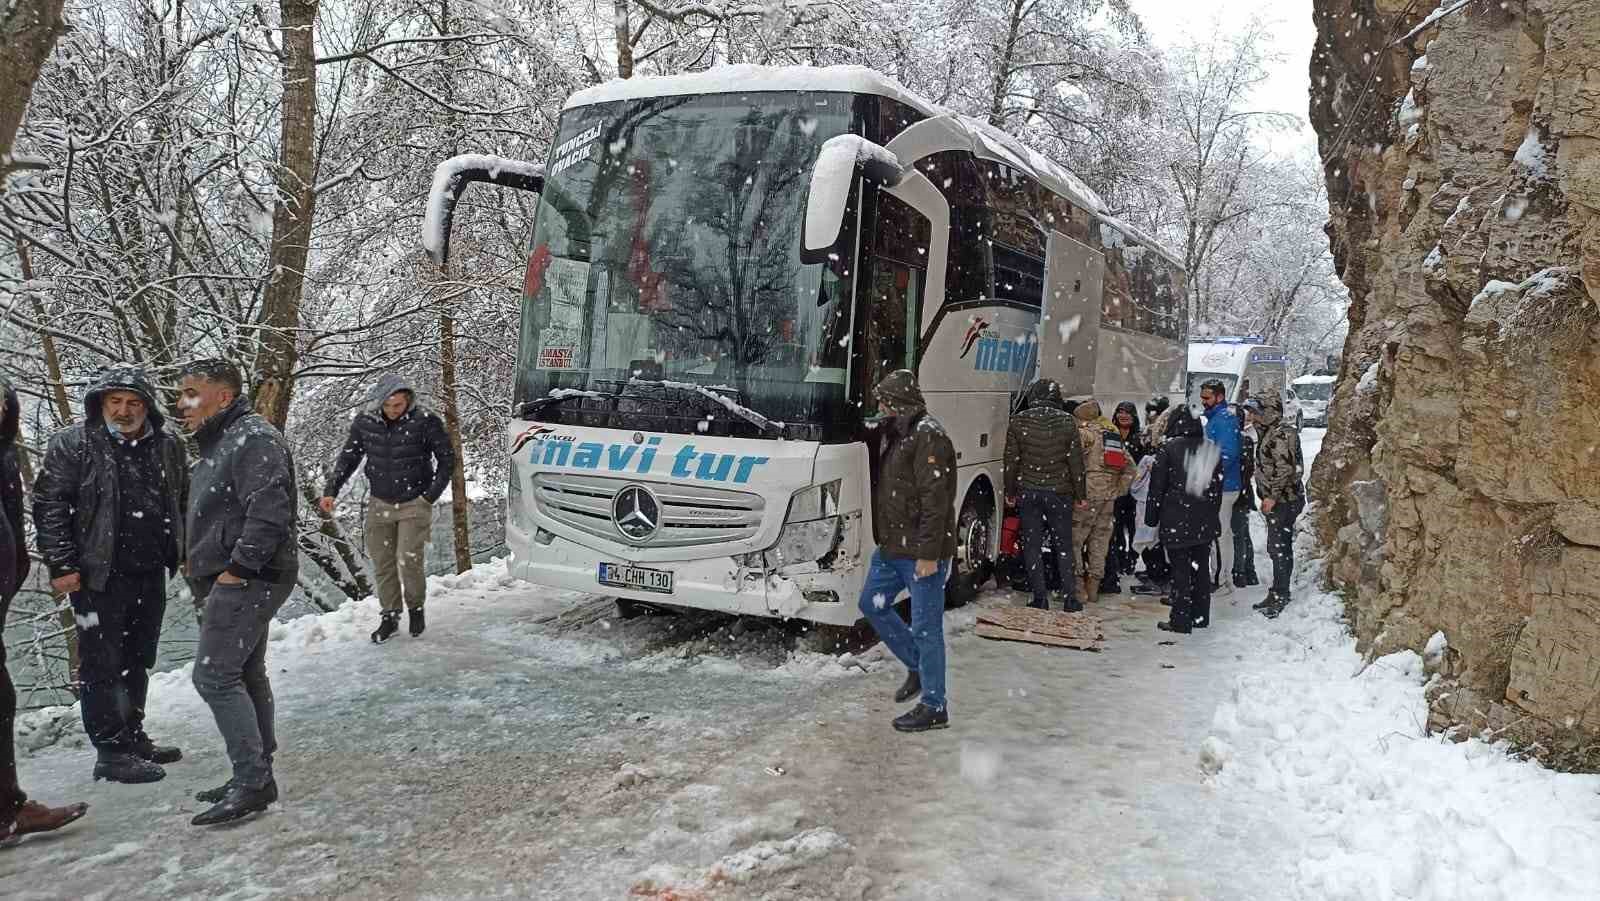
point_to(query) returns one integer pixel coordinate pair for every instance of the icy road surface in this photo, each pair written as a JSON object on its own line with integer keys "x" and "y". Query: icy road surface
{"x": 533, "y": 746}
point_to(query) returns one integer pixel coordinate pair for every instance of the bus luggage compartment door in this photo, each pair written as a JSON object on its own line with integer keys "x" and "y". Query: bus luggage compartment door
{"x": 1069, "y": 324}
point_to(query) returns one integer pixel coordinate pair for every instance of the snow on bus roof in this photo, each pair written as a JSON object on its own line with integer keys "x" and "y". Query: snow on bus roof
{"x": 988, "y": 141}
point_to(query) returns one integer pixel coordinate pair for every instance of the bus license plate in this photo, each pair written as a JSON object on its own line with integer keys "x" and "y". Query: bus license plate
{"x": 639, "y": 578}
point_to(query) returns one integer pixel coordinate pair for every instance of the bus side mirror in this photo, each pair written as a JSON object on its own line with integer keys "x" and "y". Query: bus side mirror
{"x": 840, "y": 159}
{"x": 450, "y": 180}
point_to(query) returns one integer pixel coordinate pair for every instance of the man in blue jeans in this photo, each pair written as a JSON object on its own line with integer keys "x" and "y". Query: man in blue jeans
{"x": 914, "y": 521}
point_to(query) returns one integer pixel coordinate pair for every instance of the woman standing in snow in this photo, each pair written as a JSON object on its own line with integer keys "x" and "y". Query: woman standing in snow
{"x": 1185, "y": 501}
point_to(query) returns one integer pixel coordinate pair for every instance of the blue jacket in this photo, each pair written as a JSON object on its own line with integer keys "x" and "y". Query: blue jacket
{"x": 1223, "y": 428}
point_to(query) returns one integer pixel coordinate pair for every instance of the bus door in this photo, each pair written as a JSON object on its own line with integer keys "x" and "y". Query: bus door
{"x": 1069, "y": 323}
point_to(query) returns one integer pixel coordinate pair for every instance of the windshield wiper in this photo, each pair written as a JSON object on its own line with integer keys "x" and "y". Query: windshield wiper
{"x": 557, "y": 395}
{"x": 727, "y": 403}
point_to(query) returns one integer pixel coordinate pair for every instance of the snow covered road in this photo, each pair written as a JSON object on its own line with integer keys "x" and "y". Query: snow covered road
{"x": 532, "y": 745}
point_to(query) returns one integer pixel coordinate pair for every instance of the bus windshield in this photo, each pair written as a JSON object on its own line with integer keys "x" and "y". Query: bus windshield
{"x": 666, "y": 255}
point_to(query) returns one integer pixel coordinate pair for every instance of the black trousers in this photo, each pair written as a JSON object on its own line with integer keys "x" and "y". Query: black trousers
{"x": 11, "y": 796}
{"x": 118, "y": 630}
{"x": 1123, "y": 526}
{"x": 1191, "y": 584}
{"x": 1156, "y": 567}
{"x": 1038, "y": 510}
{"x": 1280, "y": 543}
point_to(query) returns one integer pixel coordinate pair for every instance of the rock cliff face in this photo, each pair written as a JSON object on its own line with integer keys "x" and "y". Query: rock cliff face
{"x": 1459, "y": 485}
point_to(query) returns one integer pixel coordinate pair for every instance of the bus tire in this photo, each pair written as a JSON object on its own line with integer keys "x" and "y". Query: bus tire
{"x": 974, "y": 536}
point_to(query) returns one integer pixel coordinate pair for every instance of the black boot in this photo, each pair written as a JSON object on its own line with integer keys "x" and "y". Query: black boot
{"x": 921, "y": 718}
{"x": 1111, "y": 584}
{"x": 1251, "y": 580}
{"x": 389, "y": 625}
{"x": 1170, "y": 626}
{"x": 909, "y": 688}
{"x": 238, "y": 803}
{"x": 1239, "y": 581}
{"x": 125, "y": 767}
{"x": 145, "y": 749}
{"x": 215, "y": 795}
{"x": 417, "y": 624}
{"x": 1069, "y": 603}
{"x": 1271, "y": 598}
{"x": 1272, "y": 610}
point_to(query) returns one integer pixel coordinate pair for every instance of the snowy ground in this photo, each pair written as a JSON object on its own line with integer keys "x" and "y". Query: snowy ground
{"x": 531, "y": 745}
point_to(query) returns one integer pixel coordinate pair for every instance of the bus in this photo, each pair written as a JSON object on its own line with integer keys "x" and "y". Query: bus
{"x": 723, "y": 265}
{"x": 1246, "y": 366}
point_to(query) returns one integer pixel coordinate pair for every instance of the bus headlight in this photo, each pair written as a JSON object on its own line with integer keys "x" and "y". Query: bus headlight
{"x": 811, "y": 527}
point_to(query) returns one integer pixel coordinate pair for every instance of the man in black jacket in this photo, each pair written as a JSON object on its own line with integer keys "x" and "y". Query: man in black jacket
{"x": 1185, "y": 501}
{"x": 108, "y": 507}
{"x": 242, "y": 566}
{"x": 18, "y": 815}
{"x": 1044, "y": 477}
{"x": 409, "y": 462}
{"x": 914, "y": 520}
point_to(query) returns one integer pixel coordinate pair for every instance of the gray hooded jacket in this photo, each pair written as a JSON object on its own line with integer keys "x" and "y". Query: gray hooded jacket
{"x": 242, "y": 499}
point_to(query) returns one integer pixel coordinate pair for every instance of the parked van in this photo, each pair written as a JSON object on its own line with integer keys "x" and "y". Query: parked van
{"x": 1245, "y": 366}
{"x": 1314, "y": 392}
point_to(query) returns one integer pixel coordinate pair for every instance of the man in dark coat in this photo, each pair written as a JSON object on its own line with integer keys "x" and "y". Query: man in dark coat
{"x": 1044, "y": 477}
{"x": 409, "y": 462}
{"x": 108, "y": 508}
{"x": 914, "y": 521}
{"x": 1157, "y": 572}
{"x": 18, "y": 815}
{"x": 243, "y": 564}
{"x": 1244, "y": 548}
{"x": 1185, "y": 501}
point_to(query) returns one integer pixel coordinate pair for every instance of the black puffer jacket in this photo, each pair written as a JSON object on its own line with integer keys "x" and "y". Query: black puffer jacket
{"x": 76, "y": 497}
{"x": 407, "y": 458}
{"x": 1043, "y": 451}
{"x": 243, "y": 517}
{"x": 914, "y": 509}
{"x": 1185, "y": 485}
{"x": 14, "y": 561}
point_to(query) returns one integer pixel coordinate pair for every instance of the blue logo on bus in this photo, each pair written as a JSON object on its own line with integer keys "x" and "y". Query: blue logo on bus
{"x": 996, "y": 354}
{"x": 686, "y": 463}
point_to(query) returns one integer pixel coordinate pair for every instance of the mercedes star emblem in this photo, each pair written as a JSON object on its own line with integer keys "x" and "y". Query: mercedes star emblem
{"x": 637, "y": 513}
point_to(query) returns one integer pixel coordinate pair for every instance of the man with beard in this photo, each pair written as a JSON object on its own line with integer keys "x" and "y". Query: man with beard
{"x": 914, "y": 520}
{"x": 18, "y": 815}
{"x": 108, "y": 507}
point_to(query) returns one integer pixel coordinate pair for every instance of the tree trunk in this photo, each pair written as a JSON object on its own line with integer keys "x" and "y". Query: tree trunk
{"x": 624, "y": 39}
{"x": 1002, "y": 67}
{"x": 27, "y": 35}
{"x": 292, "y": 211}
{"x": 452, "y": 424}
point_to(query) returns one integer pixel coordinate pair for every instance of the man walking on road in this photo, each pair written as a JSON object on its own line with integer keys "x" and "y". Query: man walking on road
{"x": 1044, "y": 477}
{"x": 409, "y": 462}
{"x": 242, "y": 567}
{"x": 1222, "y": 428}
{"x": 914, "y": 521}
{"x": 1280, "y": 480}
{"x": 18, "y": 815}
{"x": 108, "y": 506}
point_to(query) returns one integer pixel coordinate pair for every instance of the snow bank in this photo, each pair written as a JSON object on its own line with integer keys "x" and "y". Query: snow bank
{"x": 762, "y": 859}
{"x": 1399, "y": 813}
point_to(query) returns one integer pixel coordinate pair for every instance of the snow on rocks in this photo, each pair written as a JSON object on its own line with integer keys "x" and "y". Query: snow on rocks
{"x": 1398, "y": 813}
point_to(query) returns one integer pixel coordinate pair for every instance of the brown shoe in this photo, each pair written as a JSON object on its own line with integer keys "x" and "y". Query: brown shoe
{"x": 33, "y": 817}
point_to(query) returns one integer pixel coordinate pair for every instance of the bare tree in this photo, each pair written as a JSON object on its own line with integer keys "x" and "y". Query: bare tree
{"x": 28, "y": 32}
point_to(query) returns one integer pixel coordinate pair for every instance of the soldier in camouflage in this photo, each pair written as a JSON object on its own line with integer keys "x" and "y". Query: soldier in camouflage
{"x": 1280, "y": 482}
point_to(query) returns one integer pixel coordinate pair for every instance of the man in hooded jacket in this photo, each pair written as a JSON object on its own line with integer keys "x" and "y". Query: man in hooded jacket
{"x": 1280, "y": 480}
{"x": 18, "y": 815}
{"x": 1107, "y": 475}
{"x": 108, "y": 507}
{"x": 1044, "y": 477}
{"x": 914, "y": 521}
{"x": 1184, "y": 501}
{"x": 409, "y": 462}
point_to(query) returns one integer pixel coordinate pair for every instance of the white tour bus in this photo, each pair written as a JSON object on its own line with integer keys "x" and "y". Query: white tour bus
{"x": 1314, "y": 393}
{"x": 722, "y": 267}
{"x": 1245, "y": 366}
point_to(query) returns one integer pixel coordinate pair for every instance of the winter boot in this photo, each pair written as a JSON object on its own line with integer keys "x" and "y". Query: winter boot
{"x": 1091, "y": 592}
{"x": 215, "y": 795}
{"x": 417, "y": 624}
{"x": 1239, "y": 581}
{"x": 389, "y": 625}
{"x": 1068, "y": 603}
{"x": 1272, "y": 610}
{"x": 238, "y": 803}
{"x": 1110, "y": 584}
{"x": 1170, "y": 626}
{"x": 909, "y": 688}
{"x": 1251, "y": 580}
{"x": 1268, "y": 601}
{"x": 145, "y": 749}
{"x": 122, "y": 766}
{"x": 921, "y": 718}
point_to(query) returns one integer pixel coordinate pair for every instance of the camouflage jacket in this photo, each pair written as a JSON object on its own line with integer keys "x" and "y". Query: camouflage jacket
{"x": 1280, "y": 467}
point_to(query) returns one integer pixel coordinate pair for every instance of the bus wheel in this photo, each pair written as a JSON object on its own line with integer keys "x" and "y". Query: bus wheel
{"x": 974, "y": 563}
